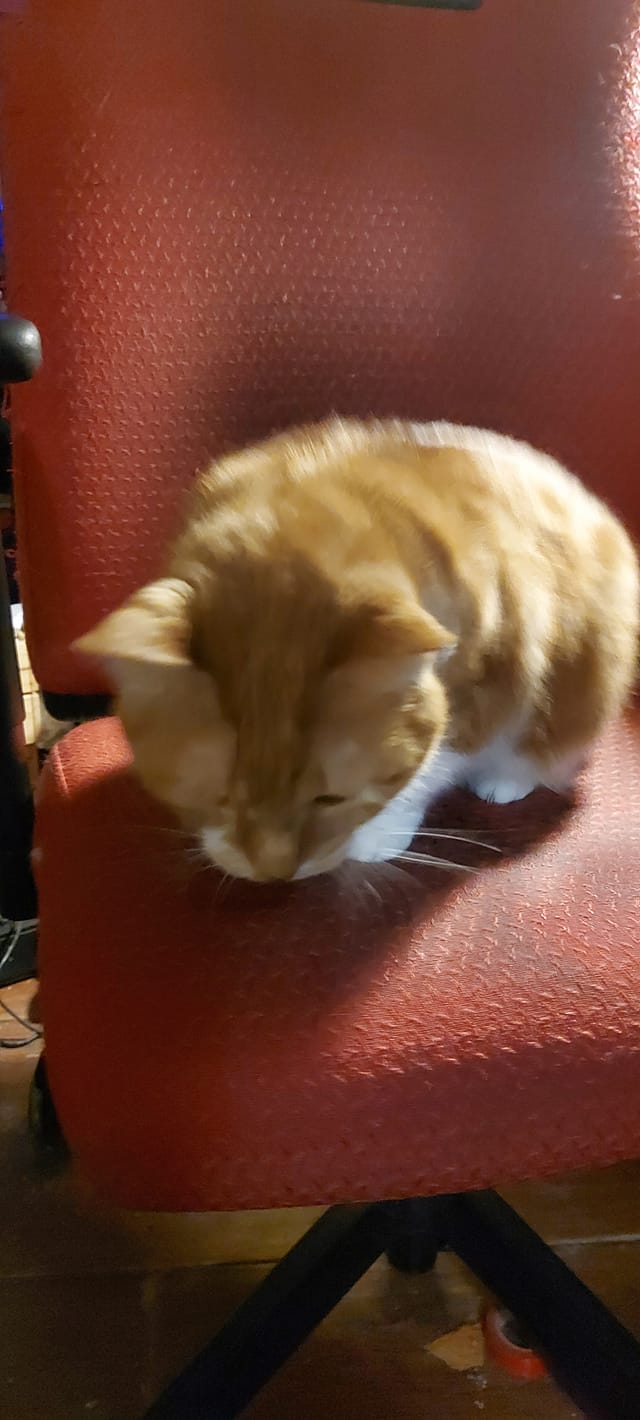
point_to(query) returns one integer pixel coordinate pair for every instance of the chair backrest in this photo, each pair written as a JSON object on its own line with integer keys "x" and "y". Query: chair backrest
{"x": 228, "y": 216}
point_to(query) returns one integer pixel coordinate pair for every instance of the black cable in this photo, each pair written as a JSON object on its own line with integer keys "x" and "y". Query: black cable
{"x": 15, "y": 930}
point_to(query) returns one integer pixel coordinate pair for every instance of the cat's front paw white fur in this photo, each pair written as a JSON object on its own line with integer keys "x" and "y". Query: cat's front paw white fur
{"x": 500, "y": 791}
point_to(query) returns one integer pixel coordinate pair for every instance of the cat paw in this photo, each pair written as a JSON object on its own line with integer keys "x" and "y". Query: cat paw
{"x": 501, "y": 791}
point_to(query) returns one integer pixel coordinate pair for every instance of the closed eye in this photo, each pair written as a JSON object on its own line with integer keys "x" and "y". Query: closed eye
{"x": 329, "y": 801}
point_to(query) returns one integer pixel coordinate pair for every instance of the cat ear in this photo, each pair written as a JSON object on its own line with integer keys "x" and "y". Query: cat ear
{"x": 401, "y": 629}
{"x": 151, "y": 629}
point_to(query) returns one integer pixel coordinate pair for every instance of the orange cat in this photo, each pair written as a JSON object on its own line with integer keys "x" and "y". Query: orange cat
{"x": 358, "y": 614}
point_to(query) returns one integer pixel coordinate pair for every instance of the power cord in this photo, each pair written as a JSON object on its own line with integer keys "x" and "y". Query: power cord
{"x": 13, "y": 931}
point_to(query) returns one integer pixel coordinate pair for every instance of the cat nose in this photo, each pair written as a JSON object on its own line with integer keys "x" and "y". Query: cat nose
{"x": 274, "y": 855}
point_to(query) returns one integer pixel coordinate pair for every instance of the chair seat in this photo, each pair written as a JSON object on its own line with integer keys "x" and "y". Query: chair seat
{"x": 391, "y": 1033}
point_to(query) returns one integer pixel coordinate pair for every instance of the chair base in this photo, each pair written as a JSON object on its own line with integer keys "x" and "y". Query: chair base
{"x": 593, "y": 1358}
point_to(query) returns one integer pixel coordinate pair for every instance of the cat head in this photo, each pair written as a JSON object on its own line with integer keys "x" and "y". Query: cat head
{"x": 274, "y": 724}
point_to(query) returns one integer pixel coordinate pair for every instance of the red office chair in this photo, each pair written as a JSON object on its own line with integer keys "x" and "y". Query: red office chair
{"x": 222, "y": 218}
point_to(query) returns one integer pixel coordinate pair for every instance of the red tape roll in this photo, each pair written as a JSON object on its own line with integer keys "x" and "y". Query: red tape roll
{"x": 518, "y": 1360}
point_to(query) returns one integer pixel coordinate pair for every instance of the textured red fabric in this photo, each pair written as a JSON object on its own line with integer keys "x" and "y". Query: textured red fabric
{"x": 223, "y": 1047}
{"x": 227, "y": 216}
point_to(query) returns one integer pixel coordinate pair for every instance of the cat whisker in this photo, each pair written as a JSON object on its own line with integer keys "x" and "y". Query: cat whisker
{"x": 373, "y": 890}
{"x": 199, "y": 863}
{"x": 454, "y": 836}
{"x": 387, "y": 867}
{"x": 395, "y": 875}
{"x": 195, "y": 854}
{"x": 426, "y": 860}
{"x": 224, "y": 884}
{"x": 348, "y": 883}
{"x": 357, "y": 878}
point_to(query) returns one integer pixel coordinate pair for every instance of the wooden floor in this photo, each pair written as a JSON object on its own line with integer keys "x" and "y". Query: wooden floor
{"x": 98, "y": 1309}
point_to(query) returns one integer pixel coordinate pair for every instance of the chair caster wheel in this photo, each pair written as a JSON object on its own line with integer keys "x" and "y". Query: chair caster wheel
{"x": 44, "y": 1127}
{"x": 413, "y": 1252}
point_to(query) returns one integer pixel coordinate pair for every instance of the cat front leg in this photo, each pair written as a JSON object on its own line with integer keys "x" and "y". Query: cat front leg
{"x": 500, "y": 775}
{"x": 392, "y": 830}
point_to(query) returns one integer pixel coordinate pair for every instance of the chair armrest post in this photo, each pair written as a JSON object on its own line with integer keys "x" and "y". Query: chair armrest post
{"x": 20, "y": 358}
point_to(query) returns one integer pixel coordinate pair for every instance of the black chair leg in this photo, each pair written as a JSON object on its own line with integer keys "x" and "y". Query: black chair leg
{"x": 590, "y": 1354}
{"x": 594, "y": 1359}
{"x": 44, "y": 1126}
{"x": 299, "y": 1292}
{"x": 415, "y": 1243}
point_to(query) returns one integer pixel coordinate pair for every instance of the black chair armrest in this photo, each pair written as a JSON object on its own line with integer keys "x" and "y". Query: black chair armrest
{"x": 20, "y": 350}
